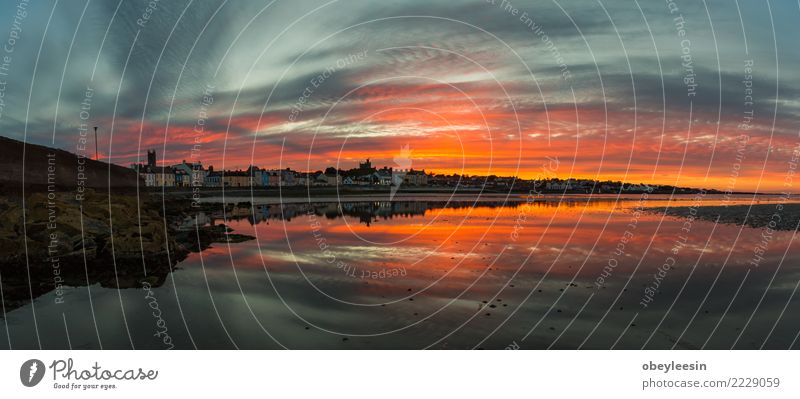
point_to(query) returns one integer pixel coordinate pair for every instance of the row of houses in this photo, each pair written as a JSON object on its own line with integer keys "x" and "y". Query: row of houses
{"x": 554, "y": 185}
{"x": 195, "y": 174}
{"x": 187, "y": 174}
{"x": 583, "y": 185}
{"x": 388, "y": 177}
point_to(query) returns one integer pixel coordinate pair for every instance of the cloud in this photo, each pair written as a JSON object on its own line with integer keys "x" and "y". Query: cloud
{"x": 471, "y": 85}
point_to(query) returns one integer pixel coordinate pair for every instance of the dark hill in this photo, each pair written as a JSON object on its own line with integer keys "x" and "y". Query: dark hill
{"x": 45, "y": 166}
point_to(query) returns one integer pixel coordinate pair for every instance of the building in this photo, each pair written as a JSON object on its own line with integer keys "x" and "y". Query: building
{"x": 559, "y": 185}
{"x": 331, "y": 179}
{"x": 153, "y": 175}
{"x": 304, "y": 179}
{"x": 195, "y": 171}
{"x": 148, "y": 177}
{"x": 182, "y": 179}
{"x": 449, "y": 180}
{"x": 213, "y": 179}
{"x": 365, "y": 166}
{"x": 273, "y": 178}
{"x": 385, "y": 176}
{"x": 164, "y": 176}
{"x": 159, "y": 176}
{"x": 236, "y": 178}
{"x": 281, "y": 177}
{"x": 637, "y": 188}
{"x": 411, "y": 177}
{"x": 151, "y": 158}
{"x": 287, "y": 177}
{"x": 258, "y": 176}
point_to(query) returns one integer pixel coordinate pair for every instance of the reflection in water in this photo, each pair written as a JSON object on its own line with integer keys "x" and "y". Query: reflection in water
{"x": 375, "y": 274}
{"x": 366, "y": 211}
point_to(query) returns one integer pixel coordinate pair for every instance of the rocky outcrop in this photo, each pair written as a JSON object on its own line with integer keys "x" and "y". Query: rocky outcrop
{"x": 51, "y": 239}
{"x": 96, "y": 227}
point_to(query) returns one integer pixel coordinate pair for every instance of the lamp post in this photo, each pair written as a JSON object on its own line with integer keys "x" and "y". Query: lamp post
{"x": 96, "y": 157}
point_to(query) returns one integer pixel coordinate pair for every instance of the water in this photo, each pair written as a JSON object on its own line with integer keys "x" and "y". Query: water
{"x": 432, "y": 274}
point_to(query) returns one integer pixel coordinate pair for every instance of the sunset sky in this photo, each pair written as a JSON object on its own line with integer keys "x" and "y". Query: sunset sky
{"x": 477, "y": 87}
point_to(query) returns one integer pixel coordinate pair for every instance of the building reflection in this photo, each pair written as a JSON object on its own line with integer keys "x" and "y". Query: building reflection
{"x": 366, "y": 212}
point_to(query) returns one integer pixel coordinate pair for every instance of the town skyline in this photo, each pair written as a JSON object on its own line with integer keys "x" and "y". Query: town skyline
{"x": 195, "y": 174}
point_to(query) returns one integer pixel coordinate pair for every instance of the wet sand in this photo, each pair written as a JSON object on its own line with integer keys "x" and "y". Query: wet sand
{"x": 784, "y": 216}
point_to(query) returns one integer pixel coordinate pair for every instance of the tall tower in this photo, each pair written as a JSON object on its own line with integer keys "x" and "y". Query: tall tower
{"x": 151, "y": 158}
{"x": 365, "y": 165}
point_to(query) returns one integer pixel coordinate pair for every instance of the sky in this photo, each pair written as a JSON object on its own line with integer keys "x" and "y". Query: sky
{"x": 688, "y": 93}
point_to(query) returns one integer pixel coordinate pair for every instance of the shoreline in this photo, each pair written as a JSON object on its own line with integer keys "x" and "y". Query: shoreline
{"x": 293, "y": 195}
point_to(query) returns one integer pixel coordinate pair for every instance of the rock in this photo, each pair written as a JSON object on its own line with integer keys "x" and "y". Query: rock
{"x": 79, "y": 235}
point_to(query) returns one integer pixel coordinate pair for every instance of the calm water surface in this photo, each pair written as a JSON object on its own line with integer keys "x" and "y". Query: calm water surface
{"x": 419, "y": 274}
